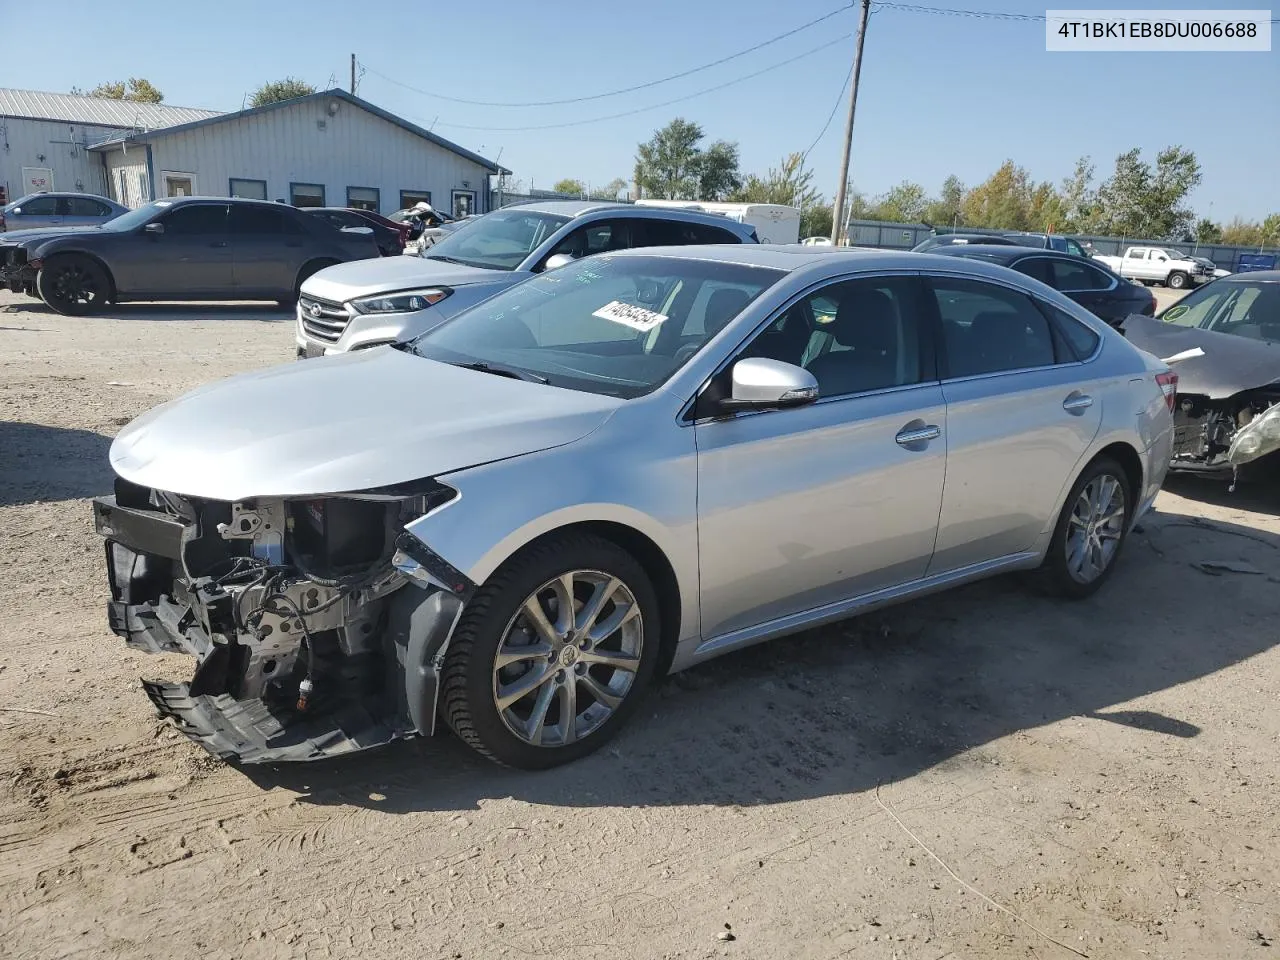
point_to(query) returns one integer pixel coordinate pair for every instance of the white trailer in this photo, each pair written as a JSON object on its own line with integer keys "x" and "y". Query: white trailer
{"x": 774, "y": 222}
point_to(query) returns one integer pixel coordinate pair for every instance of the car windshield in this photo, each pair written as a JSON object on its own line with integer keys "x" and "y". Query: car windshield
{"x": 615, "y": 325}
{"x": 136, "y": 218}
{"x": 501, "y": 240}
{"x": 1243, "y": 308}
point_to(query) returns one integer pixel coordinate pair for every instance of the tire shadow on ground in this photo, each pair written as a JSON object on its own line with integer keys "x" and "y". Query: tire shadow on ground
{"x": 880, "y": 698}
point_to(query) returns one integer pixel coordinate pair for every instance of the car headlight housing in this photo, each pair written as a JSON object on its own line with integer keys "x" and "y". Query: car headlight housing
{"x": 404, "y": 301}
{"x": 1260, "y": 436}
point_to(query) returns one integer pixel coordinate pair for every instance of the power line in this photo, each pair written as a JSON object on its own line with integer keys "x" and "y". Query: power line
{"x": 653, "y": 106}
{"x": 613, "y": 93}
{"x": 951, "y": 12}
{"x": 830, "y": 116}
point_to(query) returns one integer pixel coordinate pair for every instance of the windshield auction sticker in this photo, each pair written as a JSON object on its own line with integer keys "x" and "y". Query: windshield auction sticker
{"x": 629, "y": 315}
{"x": 1158, "y": 31}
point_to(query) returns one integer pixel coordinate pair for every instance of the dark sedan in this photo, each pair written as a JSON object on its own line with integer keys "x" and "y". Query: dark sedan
{"x": 1107, "y": 295}
{"x": 389, "y": 235}
{"x": 186, "y": 248}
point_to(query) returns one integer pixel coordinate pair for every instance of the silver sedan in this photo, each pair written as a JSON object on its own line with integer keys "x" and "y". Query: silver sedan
{"x": 615, "y": 470}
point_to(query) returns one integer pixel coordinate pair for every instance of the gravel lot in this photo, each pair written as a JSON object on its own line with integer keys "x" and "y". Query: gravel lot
{"x": 1104, "y": 772}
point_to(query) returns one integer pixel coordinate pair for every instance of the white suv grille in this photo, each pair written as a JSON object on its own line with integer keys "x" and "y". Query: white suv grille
{"x": 323, "y": 319}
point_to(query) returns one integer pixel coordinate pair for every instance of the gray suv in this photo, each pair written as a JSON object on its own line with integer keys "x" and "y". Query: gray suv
{"x": 353, "y": 306}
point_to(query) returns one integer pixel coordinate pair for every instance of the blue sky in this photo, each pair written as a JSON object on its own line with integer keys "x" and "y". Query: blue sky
{"x": 939, "y": 94}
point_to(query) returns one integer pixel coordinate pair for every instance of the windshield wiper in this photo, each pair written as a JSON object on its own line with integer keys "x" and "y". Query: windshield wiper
{"x": 498, "y": 371}
{"x": 436, "y": 256}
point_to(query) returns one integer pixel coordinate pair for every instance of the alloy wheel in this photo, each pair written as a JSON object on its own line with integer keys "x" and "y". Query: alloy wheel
{"x": 568, "y": 658}
{"x": 73, "y": 284}
{"x": 1095, "y": 528}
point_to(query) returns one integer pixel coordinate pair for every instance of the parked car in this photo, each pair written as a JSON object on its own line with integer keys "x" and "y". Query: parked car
{"x": 619, "y": 468}
{"x": 389, "y": 235}
{"x": 1042, "y": 241}
{"x": 1087, "y": 282}
{"x": 58, "y": 210}
{"x": 1159, "y": 265}
{"x": 1226, "y": 338}
{"x": 816, "y": 242}
{"x": 1206, "y": 262}
{"x": 355, "y": 306}
{"x": 187, "y": 248}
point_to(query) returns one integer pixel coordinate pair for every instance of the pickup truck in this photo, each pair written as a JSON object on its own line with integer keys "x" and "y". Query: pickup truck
{"x": 1159, "y": 265}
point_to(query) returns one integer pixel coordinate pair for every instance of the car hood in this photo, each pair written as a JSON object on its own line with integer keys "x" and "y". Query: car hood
{"x": 345, "y": 423}
{"x": 364, "y": 278}
{"x": 1230, "y": 364}
{"x": 42, "y": 233}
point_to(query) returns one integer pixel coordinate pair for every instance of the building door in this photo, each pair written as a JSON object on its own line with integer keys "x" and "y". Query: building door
{"x": 179, "y": 184}
{"x": 464, "y": 203}
{"x": 36, "y": 180}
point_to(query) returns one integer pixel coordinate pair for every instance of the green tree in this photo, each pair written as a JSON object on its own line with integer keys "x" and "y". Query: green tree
{"x": 573, "y": 187}
{"x": 1079, "y": 201}
{"x": 904, "y": 203}
{"x": 815, "y": 221}
{"x": 135, "y": 88}
{"x": 668, "y": 166}
{"x": 947, "y": 209}
{"x": 790, "y": 183}
{"x": 1246, "y": 233}
{"x": 1207, "y": 231}
{"x": 277, "y": 90}
{"x": 718, "y": 174}
{"x": 1138, "y": 200}
{"x": 1003, "y": 200}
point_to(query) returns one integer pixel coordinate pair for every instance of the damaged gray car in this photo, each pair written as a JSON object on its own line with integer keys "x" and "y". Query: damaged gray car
{"x": 612, "y": 471}
{"x": 1223, "y": 340}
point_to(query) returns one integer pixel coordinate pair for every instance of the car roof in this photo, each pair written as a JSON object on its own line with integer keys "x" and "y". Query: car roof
{"x": 579, "y": 208}
{"x": 1003, "y": 251}
{"x": 1271, "y": 276}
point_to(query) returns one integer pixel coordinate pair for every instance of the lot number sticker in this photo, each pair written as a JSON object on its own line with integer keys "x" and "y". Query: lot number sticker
{"x": 629, "y": 315}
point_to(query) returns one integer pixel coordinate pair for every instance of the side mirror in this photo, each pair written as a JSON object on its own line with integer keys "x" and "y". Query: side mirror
{"x": 154, "y": 228}
{"x": 15, "y": 211}
{"x": 358, "y": 231}
{"x": 558, "y": 260}
{"x": 759, "y": 382}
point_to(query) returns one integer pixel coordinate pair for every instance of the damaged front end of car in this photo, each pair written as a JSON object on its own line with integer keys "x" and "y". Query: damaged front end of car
{"x": 1222, "y": 435}
{"x": 317, "y": 624}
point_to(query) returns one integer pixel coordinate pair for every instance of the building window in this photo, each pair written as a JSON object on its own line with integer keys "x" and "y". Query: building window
{"x": 306, "y": 194}
{"x": 363, "y": 198}
{"x": 248, "y": 189}
{"x": 464, "y": 203}
{"x": 178, "y": 184}
{"x": 409, "y": 197}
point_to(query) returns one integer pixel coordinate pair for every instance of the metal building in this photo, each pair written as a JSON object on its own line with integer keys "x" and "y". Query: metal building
{"x": 326, "y": 149}
{"x": 45, "y": 137}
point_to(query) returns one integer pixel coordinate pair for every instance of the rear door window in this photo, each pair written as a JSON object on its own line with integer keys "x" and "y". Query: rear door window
{"x": 990, "y": 329}
{"x": 249, "y": 220}
{"x": 1037, "y": 268}
{"x": 86, "y": 207}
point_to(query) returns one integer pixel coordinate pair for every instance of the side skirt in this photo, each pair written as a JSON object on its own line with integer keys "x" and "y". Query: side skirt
{"x": 842, "y": 609}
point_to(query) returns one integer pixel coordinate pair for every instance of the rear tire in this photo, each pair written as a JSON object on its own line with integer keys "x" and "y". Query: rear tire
{"x": 566, "y": 668}
{"x": 1090, "y": 532}
{"x": 1177, "y": 280}
{"x": 73, "y": 285}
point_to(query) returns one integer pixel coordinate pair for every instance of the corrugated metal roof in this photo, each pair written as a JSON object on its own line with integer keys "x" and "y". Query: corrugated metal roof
{"x": 98, "y": 111}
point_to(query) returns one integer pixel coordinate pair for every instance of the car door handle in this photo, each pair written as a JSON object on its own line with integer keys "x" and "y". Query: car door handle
{"x": 218, "y": 243}
{"x": 1077, "y": 402}
{"x": 918, "y": 434}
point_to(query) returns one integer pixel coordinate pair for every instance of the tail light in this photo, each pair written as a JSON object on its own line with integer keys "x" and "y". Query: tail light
{"x": 1168, "y": 382}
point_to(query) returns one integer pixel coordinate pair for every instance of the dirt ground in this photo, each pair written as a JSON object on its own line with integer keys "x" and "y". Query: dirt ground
{"x": 981, "y": 774}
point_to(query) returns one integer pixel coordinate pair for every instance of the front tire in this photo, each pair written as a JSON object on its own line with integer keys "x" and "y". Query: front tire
{"x": 1177, "y": 280}
{"x": 1090, "y": 533}
{"x": 73, "y": 285}
{"x": 553, "y": 653}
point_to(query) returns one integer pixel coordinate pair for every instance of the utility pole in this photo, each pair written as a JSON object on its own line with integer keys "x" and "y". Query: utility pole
{"x": 837, "y": 212}
{"x": 353, "y": 75}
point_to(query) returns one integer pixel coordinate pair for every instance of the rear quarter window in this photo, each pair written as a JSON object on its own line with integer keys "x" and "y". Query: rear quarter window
{"x": 1079, "y": 338}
